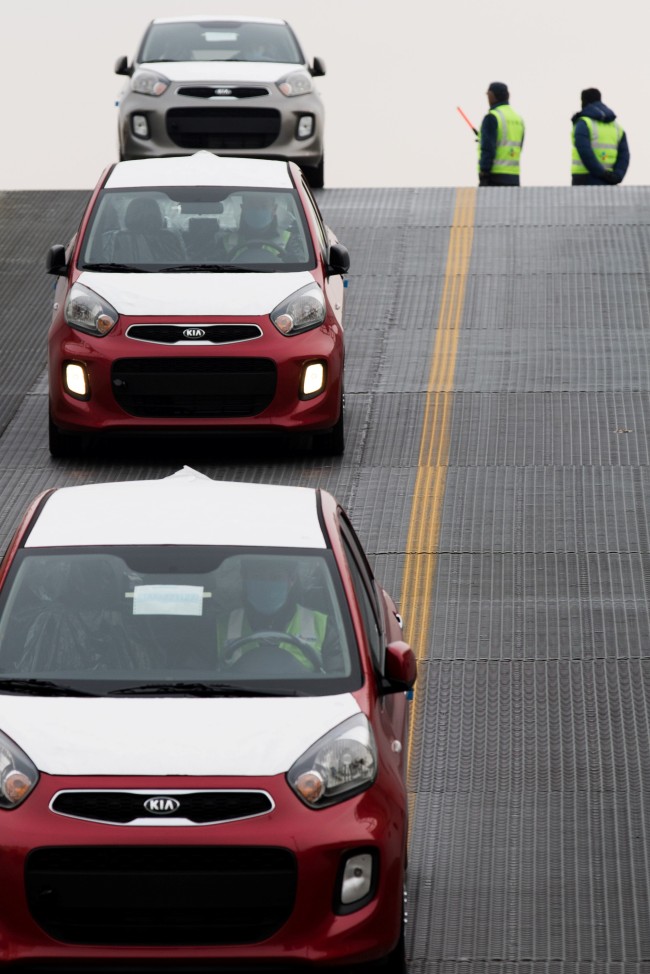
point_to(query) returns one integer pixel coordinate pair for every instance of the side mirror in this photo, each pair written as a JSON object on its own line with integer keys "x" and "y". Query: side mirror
{"x": 317, "y": 70}
{"x": 122, "y": 67}
{"x": 400, "y": 668}
{"x": 55, "y": 261}
{"x": 339, "y": 259}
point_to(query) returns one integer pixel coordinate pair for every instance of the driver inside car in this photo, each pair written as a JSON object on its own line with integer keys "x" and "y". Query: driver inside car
{"x": 271, "y": 608}
{"x": 259, "y": 236}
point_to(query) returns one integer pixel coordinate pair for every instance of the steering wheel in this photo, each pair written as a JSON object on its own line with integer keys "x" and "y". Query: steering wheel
{"x": 275, "y": 640}
{"x": 271, "y": 256}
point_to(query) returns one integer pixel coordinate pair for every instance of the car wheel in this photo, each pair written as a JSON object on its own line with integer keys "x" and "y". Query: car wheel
{"x": 332, "y": 443}
{"x": 63, "y": 444}
{"x": 316, "y": 174}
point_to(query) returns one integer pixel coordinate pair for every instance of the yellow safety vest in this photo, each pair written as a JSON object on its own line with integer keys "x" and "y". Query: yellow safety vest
{"x": 605, "y": 137}
{"x": 510, "y": 137}
{"x": 307, "y": 624}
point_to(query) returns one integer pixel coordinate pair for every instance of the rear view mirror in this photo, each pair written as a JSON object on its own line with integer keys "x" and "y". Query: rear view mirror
{"x": 400, "y": 667}
{"x": 201, "y": 209}
{"x": 318, "y": 68}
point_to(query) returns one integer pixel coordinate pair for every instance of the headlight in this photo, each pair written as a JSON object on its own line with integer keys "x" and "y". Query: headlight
{"x": 305, "y": 309}
{"x": 18, "y": 776}
{"x": 296, "y": 83}
{"x": 340, "y": 765}
{"x": 149, "y": 83}
{"x": 87, "y": 312}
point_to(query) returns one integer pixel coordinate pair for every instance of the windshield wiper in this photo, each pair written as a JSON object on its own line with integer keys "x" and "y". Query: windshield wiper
{"x": 207, "y": 268}
{"x": 115, "y": 268}
{"x": 42, "y": 688}
{"x": 198, "y": 690}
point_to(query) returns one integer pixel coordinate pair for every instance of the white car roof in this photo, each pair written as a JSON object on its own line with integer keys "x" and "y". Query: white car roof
{"x": 214, "y": 18}
{"x": 186, "y": 508}
{"x": 203, "y": 168}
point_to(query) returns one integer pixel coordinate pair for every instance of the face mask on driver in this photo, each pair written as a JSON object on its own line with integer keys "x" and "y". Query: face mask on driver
{"x": 258, "y": 217}
{"x": 267, "y": 596}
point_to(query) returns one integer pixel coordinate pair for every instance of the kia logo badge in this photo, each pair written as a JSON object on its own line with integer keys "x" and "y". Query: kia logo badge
{"x": 223, "y": 91}
{"x": 162, "y": 805}
{"x": 193, "y": 333}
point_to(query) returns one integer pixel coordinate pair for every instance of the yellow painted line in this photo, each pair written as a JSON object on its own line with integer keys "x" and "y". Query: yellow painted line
{"x": 428, "y": 495}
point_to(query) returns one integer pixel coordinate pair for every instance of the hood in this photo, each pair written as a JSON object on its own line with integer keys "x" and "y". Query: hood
{"x": 195, "y": 294}
{"x": 596, "y": 110}
{"x": 230, "y": 736}
{"x": 223, "y": 72}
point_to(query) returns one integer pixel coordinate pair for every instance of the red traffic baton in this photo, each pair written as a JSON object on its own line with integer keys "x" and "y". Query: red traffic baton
{"x": 474, "y": 130}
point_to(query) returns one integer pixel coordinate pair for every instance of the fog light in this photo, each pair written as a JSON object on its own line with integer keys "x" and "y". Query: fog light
{"x": 140, "y": 126}
{"x": 357, "y": 878}
{"x": 305, "y": 127}
{"x": 76, "y": 380}
{"x": 313, "y": 380}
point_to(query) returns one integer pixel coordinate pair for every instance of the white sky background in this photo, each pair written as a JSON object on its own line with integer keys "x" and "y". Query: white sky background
{"x": 395, "y": 74}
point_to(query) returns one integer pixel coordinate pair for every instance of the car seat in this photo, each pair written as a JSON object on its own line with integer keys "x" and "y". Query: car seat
{"x": 202, "y": 238}
{"x": 146, "y": 239}
{"x": 83, "y": 627}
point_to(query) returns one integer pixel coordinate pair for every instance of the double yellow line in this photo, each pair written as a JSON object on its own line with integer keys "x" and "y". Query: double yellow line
{"x": 424, "y": 525}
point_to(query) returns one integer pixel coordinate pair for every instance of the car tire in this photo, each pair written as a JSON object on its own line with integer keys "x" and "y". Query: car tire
{"x": 316, "y": 174}
{"x": 332, "y": 443}
{"x": 62, "y": 444}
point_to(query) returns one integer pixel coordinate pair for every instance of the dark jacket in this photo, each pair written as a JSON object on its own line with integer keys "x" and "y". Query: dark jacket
{"x": 597, "y": 175}
{"x": 489, "y": 135}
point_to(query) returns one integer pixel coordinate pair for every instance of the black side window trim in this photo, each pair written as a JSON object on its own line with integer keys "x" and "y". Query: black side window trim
{"x": 322, "y": 230}
{"x": 355, "y": 551}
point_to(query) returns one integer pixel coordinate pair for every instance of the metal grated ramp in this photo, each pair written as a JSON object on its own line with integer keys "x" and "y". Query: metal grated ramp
{"x": 530, "y": 747}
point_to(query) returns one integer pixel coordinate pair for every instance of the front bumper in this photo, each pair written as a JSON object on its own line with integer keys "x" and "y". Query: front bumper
{"x": 264, "y": 127}
{"x": 260, "y": 891}
{"x": 141, "y": 386}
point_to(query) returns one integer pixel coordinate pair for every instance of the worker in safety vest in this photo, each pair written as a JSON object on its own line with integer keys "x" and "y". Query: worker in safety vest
{"x": 259, "y": 238}
{"x": 500, "y": 140}
{"x": 600, "y": 152}
{"x": 271, "y": 608}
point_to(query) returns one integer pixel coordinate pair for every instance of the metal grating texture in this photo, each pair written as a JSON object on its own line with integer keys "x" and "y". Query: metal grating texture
{"x": 31, "y": 222}
{"x": 529, "y": 766}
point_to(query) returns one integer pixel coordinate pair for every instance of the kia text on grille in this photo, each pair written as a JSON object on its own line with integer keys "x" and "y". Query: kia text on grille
{"x": 162, "y": 806}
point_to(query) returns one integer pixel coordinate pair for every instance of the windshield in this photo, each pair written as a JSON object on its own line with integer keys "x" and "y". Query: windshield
{"x": 197, "y": 229}
{"x": 199, "y": 620}
{"x": 214, "y": 40}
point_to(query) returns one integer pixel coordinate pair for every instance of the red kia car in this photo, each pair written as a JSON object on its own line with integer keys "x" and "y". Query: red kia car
{"x": 204, "y": 700}
{"x": 200, "y": 293}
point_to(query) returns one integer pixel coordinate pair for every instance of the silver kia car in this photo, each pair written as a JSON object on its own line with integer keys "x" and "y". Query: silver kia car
{"x": 231, "y": 86}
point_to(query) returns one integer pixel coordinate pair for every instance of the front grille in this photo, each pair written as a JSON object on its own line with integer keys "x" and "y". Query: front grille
{"x": 222, "y": 91}
{"x": 215, "y": 334}
{"x": 200, "y": 388}
{"x": 123, "y": 807}
{"x": 223, "y": 128}
{"x": 161, "y": 895}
